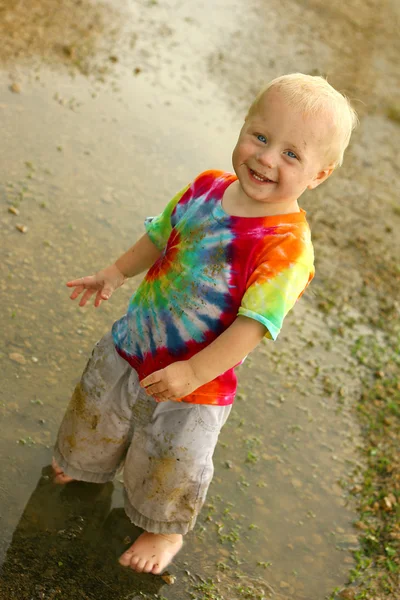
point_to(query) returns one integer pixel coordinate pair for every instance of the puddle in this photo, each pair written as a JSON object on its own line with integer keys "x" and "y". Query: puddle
{"x": 84, "y": 161}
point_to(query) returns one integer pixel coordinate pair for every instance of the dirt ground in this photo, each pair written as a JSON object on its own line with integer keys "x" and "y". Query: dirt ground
{"x": 100, "y": 103}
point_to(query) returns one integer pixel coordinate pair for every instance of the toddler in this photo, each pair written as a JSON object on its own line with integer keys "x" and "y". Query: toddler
{"x": 225, "y": 262}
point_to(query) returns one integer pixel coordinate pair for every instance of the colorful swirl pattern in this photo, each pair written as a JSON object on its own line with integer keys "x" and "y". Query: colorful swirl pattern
{"x": 213, "y": 267}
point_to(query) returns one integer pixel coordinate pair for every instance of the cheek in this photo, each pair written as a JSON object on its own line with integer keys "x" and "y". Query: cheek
{"x": 293, "y": 173}
{"x": 243, "y": 150}
{"x": 238, "y": 156}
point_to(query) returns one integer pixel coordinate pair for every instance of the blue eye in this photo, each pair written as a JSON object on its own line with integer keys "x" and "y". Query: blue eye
{"x": 291, "y": 154}
{"x": 262, "y": 138}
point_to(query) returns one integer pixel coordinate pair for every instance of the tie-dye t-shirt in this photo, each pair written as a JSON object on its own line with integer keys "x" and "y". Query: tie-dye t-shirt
{"x": 213, "y": 267}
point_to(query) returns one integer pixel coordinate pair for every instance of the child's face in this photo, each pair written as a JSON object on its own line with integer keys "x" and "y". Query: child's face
{"x": 280, "y": 152}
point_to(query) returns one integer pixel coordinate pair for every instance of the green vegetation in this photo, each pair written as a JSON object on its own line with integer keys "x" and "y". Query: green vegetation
{"x": 376, "y": 574}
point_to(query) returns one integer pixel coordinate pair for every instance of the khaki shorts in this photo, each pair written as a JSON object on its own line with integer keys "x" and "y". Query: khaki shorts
{"x": 165, "y": 448}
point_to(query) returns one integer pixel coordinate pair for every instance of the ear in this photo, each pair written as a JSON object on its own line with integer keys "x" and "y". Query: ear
{"x": 321, "y": 177}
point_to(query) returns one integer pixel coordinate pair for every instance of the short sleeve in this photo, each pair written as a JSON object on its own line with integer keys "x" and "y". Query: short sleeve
{"x": 272, "y": 293}
{"x": 159, "y": 228}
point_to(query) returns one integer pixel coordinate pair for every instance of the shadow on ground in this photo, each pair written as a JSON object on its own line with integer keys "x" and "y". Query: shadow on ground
{"x": 66, "y": 546}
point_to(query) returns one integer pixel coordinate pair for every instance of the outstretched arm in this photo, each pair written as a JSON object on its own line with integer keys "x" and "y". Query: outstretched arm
{"x": 227, "y": 350}
{"x": 137, "y": 259}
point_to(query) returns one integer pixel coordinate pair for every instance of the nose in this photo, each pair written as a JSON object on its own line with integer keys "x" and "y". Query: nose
{"x": 266, "y": 158}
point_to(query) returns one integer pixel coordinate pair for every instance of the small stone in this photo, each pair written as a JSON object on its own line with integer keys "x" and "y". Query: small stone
{"x": 284, "y": 585}
{"x": 169, "y": 579}
{"x": 34, "y": 359}
{"x": 360, "y": 525}
{"x": 21, "y": 228}
{"x": 318, "y": 539}
{"x": 113, "y": 59}
{"x": 15, "y": 88}
{"x": 350, "y": 539}
{"x": 137, "y": 70}
{"x": 13, "y": 210}
{"x": 296, "y": 483}
{"x": 16, "y": 357}
{"x": 388, "y": 502}
{"x": 69, "y": 51}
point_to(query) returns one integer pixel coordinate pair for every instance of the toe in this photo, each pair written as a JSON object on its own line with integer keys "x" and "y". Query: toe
{"x": 62, "y": 478}
{"x": 148, "y": 566}
{"x": 55, "y": 467}
{"x": 59, "y": 475}
{"x": 134, "y": 561}
{"x": 125, "y": 559}
{"x": 139, "y": 567}
{"x": 156, "y": 569}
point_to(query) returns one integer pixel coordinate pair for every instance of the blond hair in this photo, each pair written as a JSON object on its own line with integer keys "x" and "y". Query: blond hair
{"x": 313, "y": 95}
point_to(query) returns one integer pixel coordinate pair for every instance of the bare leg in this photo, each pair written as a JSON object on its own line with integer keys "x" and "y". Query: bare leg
{"x": 59, "y": 475}
{"x": 152, "y": 552}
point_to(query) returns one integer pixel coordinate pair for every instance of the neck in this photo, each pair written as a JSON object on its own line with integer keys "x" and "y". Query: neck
{"x": 238, "y": 204}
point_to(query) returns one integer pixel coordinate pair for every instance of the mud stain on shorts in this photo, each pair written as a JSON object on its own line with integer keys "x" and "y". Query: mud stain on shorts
{"x": 79, "y": 408}
{"x": 160, "y": 470}
{"x": 71, "y": 440}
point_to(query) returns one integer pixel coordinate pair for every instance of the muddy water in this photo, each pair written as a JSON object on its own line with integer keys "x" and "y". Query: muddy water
{"x": 112, "y": 112}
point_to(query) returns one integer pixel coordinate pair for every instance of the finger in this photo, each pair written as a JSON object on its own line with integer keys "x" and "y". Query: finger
{"x": 106, "y": 292}
{"x": 75, "y": 282}
{"x": 99, "y": 299}
{"x": 78, "y": 290}
{"x": 156, "y": 389}
{"x": 86, "y": 296}
{"x": 162, "y": 397}
{"x": 84, "y": 281}
{"x": 152, "y": 378}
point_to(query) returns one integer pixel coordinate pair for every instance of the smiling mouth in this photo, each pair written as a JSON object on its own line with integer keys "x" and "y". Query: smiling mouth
{"x": 258, "y": 177}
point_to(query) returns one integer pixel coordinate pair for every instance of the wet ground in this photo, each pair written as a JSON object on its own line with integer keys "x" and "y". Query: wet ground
{"x": 105, "y": 113}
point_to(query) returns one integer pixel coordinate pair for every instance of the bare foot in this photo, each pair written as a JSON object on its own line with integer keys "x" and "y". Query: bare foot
{"x": 59, "y": 475}
{"x": 152, "y": 552}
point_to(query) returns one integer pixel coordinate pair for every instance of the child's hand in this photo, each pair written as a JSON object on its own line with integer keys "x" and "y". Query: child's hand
{"x": 172, "y": 383}
{"x": 105, "y": 282}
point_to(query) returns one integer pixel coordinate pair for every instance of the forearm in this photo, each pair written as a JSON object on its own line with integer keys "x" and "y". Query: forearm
{"x": 228, "y": 349}
{"x": 139, "y": 258}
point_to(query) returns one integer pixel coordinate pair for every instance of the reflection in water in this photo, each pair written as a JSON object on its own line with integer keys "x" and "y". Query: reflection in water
{"x": 66, "y": 546}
